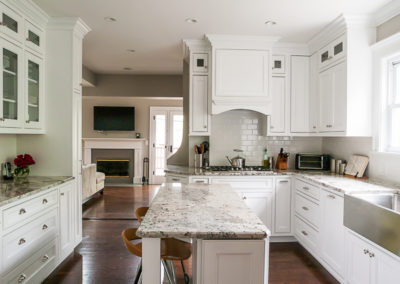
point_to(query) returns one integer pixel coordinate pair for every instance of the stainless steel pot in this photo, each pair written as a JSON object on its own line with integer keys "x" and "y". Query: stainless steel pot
{"x": 237, "y": 162}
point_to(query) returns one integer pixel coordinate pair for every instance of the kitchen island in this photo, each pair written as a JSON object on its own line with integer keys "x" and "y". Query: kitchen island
{"x": 230, "y": 243}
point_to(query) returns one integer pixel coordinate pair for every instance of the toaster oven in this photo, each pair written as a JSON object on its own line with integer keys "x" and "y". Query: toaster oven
{"x": 312, "y": 162}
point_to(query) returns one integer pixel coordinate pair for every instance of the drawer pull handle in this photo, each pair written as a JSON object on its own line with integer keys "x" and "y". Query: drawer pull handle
{"x": 62, "y": 193}
{"x": 306, "y": 188}
{"x": 175, "y": 179}
{"x": 44, "y": 227}
{"x": 283, "y": 181}
{"x": 45, "y": 258}
{"x": 22, "y": 211}
{"x": 366, "y": 251}
{"x": 21, "y": 278}
{"x": 331, "y": 196}
{"x": 21, "y": 241}
{"x": 371, "y": 254}
{"x": 305, "y": 208}
{"x": 199, "y": 181}
{"x": 304, "y": 233}
{"x": 44, "y": 201}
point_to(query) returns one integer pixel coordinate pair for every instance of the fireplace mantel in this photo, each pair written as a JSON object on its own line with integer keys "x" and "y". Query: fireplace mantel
{"x": 117, "y": 143}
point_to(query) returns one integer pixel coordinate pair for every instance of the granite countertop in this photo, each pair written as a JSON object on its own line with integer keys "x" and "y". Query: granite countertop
{"x": 11, "y": 191}
{"x": 202, "y": 211}
{"x": 327, "y": 179}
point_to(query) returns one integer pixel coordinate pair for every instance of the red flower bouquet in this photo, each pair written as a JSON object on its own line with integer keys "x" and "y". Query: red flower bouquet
{"x": 22, "y": 163}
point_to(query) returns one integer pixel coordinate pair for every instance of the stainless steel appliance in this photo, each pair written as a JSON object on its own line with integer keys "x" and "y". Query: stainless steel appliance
{"x": 237, "y": 162}
{"x": 375, "y": 216}
{"x": 312, "y": 162}
{"x": 245, "y": 169}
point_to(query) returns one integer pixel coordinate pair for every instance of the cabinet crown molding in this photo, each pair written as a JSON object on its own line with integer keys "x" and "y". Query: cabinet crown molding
{"x": 77, "y": 25}
{"x": 32, "y": 11}
{"x": 194, "y": 45}
{"x": 241, "y": 42}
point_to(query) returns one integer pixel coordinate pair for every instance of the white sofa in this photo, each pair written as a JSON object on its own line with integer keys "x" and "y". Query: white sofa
{"x": 92, "y": 181}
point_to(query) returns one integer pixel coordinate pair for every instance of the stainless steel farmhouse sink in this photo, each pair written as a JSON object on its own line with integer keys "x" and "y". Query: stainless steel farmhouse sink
{"x": 376, "y": 216}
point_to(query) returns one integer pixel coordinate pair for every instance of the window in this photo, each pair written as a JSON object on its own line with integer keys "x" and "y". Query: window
{"x": 392, "y": 132}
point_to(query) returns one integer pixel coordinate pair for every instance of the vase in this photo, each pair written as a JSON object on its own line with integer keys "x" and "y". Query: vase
{"x": 21, "y": 174}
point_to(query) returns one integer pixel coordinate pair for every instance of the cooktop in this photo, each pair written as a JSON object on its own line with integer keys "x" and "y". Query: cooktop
{"x": 246, "y": 168}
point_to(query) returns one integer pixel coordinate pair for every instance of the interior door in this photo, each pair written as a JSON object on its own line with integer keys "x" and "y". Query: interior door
{"x": 166, "y": 130}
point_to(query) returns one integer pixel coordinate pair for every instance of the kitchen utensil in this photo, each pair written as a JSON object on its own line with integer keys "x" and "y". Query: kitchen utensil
{"x": 237, "y": 162}
{"x": 337, "y": 167}
{"x": 202, "y": 148}
{"x": 198, "y": 160}
{"x": 196, "y": 149}
{"x": 356, "y": 166}
{"x": 282, "y": 160}
{"x": 206, "y": 146}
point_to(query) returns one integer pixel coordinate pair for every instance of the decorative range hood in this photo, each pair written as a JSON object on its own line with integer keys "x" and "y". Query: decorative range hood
{"x": 241, "y": 73}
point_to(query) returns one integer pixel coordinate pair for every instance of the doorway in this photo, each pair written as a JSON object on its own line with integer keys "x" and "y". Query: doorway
{"x": 166, "y": 130}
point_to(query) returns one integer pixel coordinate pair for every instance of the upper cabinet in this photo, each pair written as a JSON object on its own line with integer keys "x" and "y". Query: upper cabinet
{"x": 22, "y": 43}
{"x": 333, "y": 52}
{"x": 278, "y": 65}
{"x": 241, "y": 73}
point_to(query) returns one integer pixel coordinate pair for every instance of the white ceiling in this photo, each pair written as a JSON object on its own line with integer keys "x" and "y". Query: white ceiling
{"x": 155, "y": 28}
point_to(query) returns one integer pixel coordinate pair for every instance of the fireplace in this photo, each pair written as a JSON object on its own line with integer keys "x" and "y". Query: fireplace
{"x": 116, "y": 164}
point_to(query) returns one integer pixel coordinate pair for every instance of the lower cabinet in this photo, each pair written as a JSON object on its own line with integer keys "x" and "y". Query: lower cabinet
{"x": 283, "y": 203}
{"x": 66, "y": 220}
{"x": 368, "y": 264}
{"x": 261, "y": 204}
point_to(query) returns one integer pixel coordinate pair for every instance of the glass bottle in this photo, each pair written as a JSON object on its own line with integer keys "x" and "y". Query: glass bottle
{"x": 266, "y": 162}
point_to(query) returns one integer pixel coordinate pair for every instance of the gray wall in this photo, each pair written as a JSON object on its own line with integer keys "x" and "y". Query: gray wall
{"x": 388, "y": 28}
{"x": 136, "y": 86}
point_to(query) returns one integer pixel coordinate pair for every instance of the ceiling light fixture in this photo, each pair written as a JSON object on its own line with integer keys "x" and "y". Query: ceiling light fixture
{"x": 127, "y": 68}
{"x": 191, "y": 20}
{"x": 110, "y": 19}
{"x": 270, "y": 23}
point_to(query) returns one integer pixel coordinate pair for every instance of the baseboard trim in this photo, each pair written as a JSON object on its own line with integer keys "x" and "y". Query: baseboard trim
{"x": 282, "y": 239}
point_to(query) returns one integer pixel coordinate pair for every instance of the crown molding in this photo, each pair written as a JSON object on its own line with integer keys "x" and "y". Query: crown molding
{"x": 193, "y": 45}
{"x": 387, "y": 12}
{"x": 76, "y": 25}
{"x": 30, "y": 10}
{"x": 240, "y": 41}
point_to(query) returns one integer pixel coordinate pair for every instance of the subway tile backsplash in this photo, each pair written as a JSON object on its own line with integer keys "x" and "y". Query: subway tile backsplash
{"x": 246, "y": 130}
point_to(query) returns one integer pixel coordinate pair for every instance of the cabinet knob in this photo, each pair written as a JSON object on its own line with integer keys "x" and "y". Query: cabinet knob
{"x": 45, "y": 258}
{"x": 204, "y": 126}
{"x": 44, "y": 227}
{"x": 21, "y": 241}
{"x": 22, "y": 211}
{"x": 306, "y": 188}
{"x": 371, "y": 254}
{"x": 331, "y": 196}
{"x": 21, "y": 278}
{"x": 62, "y": 193}
{"x": 305, "y": 208}
{"x": 314, "y": 127}
{"x": 44, "y": 201}
{"x": 304, "y": 233}
{"x": 366, "y": 251}
{"x": 244, "y": 197}
{"x": 1, "y": 119}
{"x": 27, "y": 121}
{"x": 329, "y": 57}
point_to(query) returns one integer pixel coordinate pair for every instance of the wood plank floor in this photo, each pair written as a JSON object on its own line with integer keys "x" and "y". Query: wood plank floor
{"x": 103, "y": 258}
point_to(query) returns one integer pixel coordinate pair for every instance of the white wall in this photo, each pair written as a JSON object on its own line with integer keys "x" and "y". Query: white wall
{"x": 8, "y": 148}
{"x": 246, "y": 130}
{"x": 142, "y": 115}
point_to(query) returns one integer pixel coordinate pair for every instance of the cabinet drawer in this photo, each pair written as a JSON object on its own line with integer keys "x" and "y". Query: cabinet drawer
{"x": 308, "y": 189}
{"x": 308, "y": 210}
{"x": 19, "y": 213}
{"x": 23, "y": 242}
{"x": 240, "y": 184}
{"x": 30, "y": 270}
{"x": 306, "y": 235}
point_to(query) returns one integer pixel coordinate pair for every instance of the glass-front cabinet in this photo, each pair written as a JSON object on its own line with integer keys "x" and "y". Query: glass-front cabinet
{"x": 11, "y": 110}
{"x": 11, "y": 22}
{"x": 34, "y": 37}
{"x": 33, "y": 91}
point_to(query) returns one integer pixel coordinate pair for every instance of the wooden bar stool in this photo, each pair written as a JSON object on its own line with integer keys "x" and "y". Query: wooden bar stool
{"x": 171, "y": 249}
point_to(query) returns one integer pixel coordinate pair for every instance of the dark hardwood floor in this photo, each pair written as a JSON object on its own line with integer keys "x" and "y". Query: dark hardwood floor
{"x": 103, "y": 258}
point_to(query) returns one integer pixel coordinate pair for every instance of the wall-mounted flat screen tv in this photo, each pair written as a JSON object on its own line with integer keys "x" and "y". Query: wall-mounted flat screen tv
{"x": 114, "y": 118}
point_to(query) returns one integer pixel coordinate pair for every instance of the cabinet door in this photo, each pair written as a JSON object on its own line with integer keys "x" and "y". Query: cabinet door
{"x": 34, "y": 37}
{"x": 34, "y": 92}
{"x": 314, "y": 96}
{"x": 299, "y": 97}
{"x": 332, "y": 231}
{"x": 386, "y": 268}
{"x": 261, "y": 204}
{"x": 283, "y": 205}
{"x": 66, "y": 220}
{"x": 358, "y": 262}
{"x": 241, "y": 73}
{"x": 11, "y": 98}
{"x": 11, "y": 23}
{"x": 333, "y": 91}
{"x": 199, "y": 104}
{"x": 278, "y": 64}
{"x": 277, "y": 122}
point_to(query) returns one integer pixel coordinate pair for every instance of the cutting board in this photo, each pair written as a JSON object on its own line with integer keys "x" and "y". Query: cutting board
{"x": 356, "y": 166}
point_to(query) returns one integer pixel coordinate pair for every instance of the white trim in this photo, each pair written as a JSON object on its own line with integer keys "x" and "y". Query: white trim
{"x": 387, "y": 12}
{"x": 133, "y": 97}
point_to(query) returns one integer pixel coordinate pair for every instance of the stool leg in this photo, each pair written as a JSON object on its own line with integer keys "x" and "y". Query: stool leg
{"x": 167, "y": 272}
{"x": 185, "y": 276}
{"x": 171, "y": 264}
{"x": 138, "y": 273}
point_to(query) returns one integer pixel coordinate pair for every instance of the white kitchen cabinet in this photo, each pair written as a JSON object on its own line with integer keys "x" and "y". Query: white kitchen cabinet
{"x": 66, "y": 219}
{"x": 11, "y": 95}
{"x": 283, "y": 205}
{"x": 333, "y": 52}
{"x": 278, "y": 112}
{"x": 12, "y": 24}
{"x": 261, "y": 204}
{"x": 199, "y": 105}
{"x": 233, "y": 261}
{"x": 314, "y": 94}
{"x": 278, "y": 64}
{"x": 368, "y": 264}
{"x": 34, "y": 90}
{"x": 34, "y": 38}
{"x": 332, "y": 95}
{"x": 332, "y": 231}
{"x": 299, "y": 95}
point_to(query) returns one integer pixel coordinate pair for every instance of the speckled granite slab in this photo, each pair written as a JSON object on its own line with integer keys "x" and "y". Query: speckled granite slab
{"x": 11, "y": 191}
{"x": 200, "y": 211}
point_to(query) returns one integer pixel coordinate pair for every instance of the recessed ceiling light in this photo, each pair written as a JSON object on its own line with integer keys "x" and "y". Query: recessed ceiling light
{"x": 110, "y": 19}
{"x": 130, "y": 50}
{"x": 191, "y": 20}
{"x": 270, "y": 23}
{"x": 127, "y": 68}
